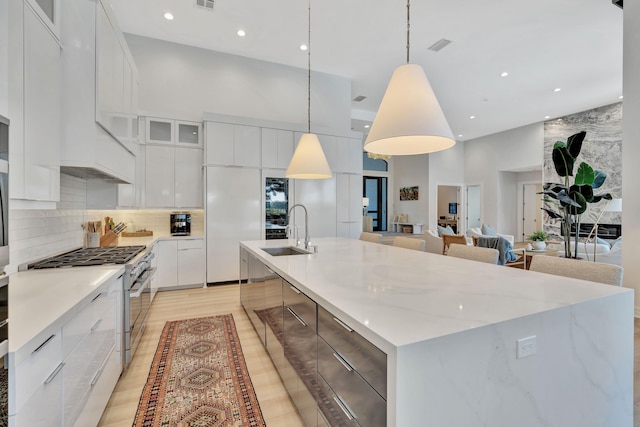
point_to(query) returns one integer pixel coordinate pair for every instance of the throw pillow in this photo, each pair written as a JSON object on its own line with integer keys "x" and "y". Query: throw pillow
{"x": 442, "y": 230}
{"x": 488, "y": 230}
{"x": 603, "y": 242}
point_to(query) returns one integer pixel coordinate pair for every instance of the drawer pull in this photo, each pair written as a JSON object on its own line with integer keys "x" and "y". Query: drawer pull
{"x": 344, "y": 325}
{"x": 344, "y": 361}
{"x": 54, "y": 373}
{"x": 345, "y": 408}
{"x": 43, "y": 344}
{"x": 96, "y": 297}
{"x": 297, "y": 291}
{"x": 4, "y": 323}
{"x": 95, "y": 325}
{"x": 296, "y": 316}
{"x": 96, "y": 377}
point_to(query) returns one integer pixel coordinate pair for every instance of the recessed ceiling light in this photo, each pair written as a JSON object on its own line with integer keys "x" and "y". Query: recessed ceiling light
{"x": 504, "y": 74}
{"x": 367, "y": 126}
{"x": 557, "y": 89}
{"x": 460, "y": 136}
{"x": 472, "y": 117}
{"x": 620, "y": 97}
{"x": 168, "y": 16}
{"x": 241, "y": 33}
{"x": 303, "y": 47}
{"x": 547, "y": 117}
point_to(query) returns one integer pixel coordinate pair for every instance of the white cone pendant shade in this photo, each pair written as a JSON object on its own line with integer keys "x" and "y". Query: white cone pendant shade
{"x": 309, "y": 161}
{"x": 409, "y": 120}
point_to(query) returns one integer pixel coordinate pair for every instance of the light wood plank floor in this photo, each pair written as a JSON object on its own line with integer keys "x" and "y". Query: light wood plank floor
{"x": 277, "y": 408}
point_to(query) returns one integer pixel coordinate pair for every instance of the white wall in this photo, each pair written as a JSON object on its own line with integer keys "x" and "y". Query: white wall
{"x": 631, "y": 149}
{"x": 410, "y": 171}
{"x": 486, "y": 157}
{"x": 183, "y": 82}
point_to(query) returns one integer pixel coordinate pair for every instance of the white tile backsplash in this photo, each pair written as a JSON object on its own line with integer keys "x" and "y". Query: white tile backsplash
{"x": 38, "y": 233}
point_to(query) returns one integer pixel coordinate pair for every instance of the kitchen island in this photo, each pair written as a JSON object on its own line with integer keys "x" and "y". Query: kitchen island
{"x": 474, "y": 344}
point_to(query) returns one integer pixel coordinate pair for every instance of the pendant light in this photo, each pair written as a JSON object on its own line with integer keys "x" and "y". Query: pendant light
{"x": 308, "y": 161}
{"x": 409, "y": 120}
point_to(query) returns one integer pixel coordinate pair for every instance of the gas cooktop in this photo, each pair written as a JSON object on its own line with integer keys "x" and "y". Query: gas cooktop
{"x": 90, "y": 257}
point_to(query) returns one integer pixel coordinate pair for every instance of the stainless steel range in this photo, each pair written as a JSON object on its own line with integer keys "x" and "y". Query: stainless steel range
{"x": 136, "y": 296}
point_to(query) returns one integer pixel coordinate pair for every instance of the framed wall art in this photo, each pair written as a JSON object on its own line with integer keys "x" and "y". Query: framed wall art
{"x": 409, "y": 193}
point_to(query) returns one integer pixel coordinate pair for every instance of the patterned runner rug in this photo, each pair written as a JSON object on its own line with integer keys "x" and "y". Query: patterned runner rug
{"x": 199, "y": 378}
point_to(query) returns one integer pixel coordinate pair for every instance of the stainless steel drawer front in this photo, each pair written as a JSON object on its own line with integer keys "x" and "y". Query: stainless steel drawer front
{"x": 354, "y": 396}
{"x": 368, "y": 360}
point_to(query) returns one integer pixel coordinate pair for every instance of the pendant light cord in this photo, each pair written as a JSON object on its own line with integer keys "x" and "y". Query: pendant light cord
{"x": 309, "y": 70}
{"x": 408, "y": 26}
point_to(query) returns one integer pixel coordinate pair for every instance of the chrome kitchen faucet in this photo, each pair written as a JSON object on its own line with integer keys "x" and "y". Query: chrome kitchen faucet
{"x": 307, "y": 240}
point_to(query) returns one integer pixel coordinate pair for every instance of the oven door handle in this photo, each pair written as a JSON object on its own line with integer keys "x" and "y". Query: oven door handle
{"x": 139, "y": 287}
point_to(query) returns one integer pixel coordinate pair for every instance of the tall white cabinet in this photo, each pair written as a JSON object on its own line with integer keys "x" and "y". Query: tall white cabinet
{"x": 240, "y": 153}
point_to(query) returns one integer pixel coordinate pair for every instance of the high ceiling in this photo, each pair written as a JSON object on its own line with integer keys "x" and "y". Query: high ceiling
{"x": 574, "y": 45}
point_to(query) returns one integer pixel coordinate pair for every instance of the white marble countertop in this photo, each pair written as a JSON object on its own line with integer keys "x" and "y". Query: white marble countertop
{"x": 150, "y": 240}
{"x": 396, "y": 297}
{"x": 39, "y": 299}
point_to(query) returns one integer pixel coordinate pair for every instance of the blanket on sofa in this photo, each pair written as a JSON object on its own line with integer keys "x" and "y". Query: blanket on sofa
{"x": 504, "y": 247}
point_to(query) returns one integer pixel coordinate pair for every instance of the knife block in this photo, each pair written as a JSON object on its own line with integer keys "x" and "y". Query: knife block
{"x": 109, "y": 239}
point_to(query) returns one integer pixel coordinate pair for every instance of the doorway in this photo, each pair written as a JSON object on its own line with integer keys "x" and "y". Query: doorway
{"x": 473, "y": 206}
{"x": 375, "y": 189}
{"x": 449, "y": 207}
{"x": 531, "y": 209}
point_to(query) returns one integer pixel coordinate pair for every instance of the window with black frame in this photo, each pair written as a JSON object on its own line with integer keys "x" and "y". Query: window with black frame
{"x": 276, "y": 207}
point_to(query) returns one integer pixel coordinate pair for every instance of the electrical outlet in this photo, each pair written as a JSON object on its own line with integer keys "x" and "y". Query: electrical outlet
{"x": 526, "y": 347}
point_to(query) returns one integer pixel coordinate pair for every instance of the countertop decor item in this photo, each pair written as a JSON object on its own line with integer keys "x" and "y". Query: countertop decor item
{"x": 570, "y": 200}
{"x": 309, "y": 161}
{"x": 216, "y": 390}
{"x": 409, "y": 119}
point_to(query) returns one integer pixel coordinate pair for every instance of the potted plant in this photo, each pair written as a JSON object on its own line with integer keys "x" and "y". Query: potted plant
{"x": 539, "y": 238}
{"x": 570, "y": 200}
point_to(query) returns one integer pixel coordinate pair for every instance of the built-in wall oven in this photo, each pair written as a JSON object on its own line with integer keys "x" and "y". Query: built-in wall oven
{"x": 137, "y": 301}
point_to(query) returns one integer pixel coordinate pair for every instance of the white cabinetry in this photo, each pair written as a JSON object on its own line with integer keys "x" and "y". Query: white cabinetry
{"x": 232, "y": 145}
{"x": 179, "y": 132}
{"x": 277, "y": 148}
{"x": 173, "y": 177}
{"x": 233, "y": 213}
{"x": 99, "y": 99}
{"x": 34, "y": 106}
{"x": 167, "y": 273}
{"x": 65, "y": 375}
{"x": 180, "y": 263}
{"x": 349, "y": 205}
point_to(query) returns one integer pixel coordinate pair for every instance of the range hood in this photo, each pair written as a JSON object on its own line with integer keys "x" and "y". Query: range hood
{"x": 91, "y": 174}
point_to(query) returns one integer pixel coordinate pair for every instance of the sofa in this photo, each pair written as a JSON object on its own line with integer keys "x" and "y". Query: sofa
{"x": 477, "y": 232}
{"x": 434, "y": 242}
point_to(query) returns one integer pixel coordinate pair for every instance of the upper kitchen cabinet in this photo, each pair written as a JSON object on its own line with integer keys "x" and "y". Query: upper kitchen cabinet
{"x": 348, "y": 155}
{"x": 99, "y": 99}
{"x": 49, "y": 13}
{"x": 173, "y": 132}
{"x": 173, "y": 177}
{"x": 232, "y": 144}
{"x": 277, "y": 148}
{"x": 35, "y": 73}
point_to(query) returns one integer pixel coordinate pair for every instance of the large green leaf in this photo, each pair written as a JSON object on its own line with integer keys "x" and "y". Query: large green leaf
{"x": 559, "y": 144}
{"x": 552, "y": 187}
{"x": 562, "y": 161}
{"x": 580, "y": 200}
{"x": 606, "y": 196}
{"x": 598, "y": 179}
{"x": 585, "y": 175}
{"x": 584, "y": 189}
{"x": 566, "y": 200}
{"x": 552, "y": 214}
{"x": 574, "y": 143}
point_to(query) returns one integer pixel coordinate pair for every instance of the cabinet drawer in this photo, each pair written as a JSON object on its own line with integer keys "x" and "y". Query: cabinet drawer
{"x": 353, "y": 394}
{"x": 39, "y": 367}
{"x": 330, "y": 413}
{"x": 303, "y": 306}
{"x": 87, "y": 320}
{"x": 190, "y": 244}
{"x": 364, "y": 357}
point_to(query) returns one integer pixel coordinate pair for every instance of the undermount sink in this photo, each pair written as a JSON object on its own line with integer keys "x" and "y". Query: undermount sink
{"x": 285, "y": 250}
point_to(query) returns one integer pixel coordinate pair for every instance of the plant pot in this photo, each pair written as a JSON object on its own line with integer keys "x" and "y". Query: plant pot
{"x": 538, "y": 245}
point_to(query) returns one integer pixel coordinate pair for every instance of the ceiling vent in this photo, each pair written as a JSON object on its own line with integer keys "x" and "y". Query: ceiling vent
{"x": 441, "y": 44}
{"x": 617, "y": 3}
{"x": 206, "y": 4}
{"x": 359, "y": 98}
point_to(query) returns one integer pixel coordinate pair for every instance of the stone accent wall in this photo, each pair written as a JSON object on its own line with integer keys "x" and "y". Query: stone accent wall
{"x": 602, "y": 149}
